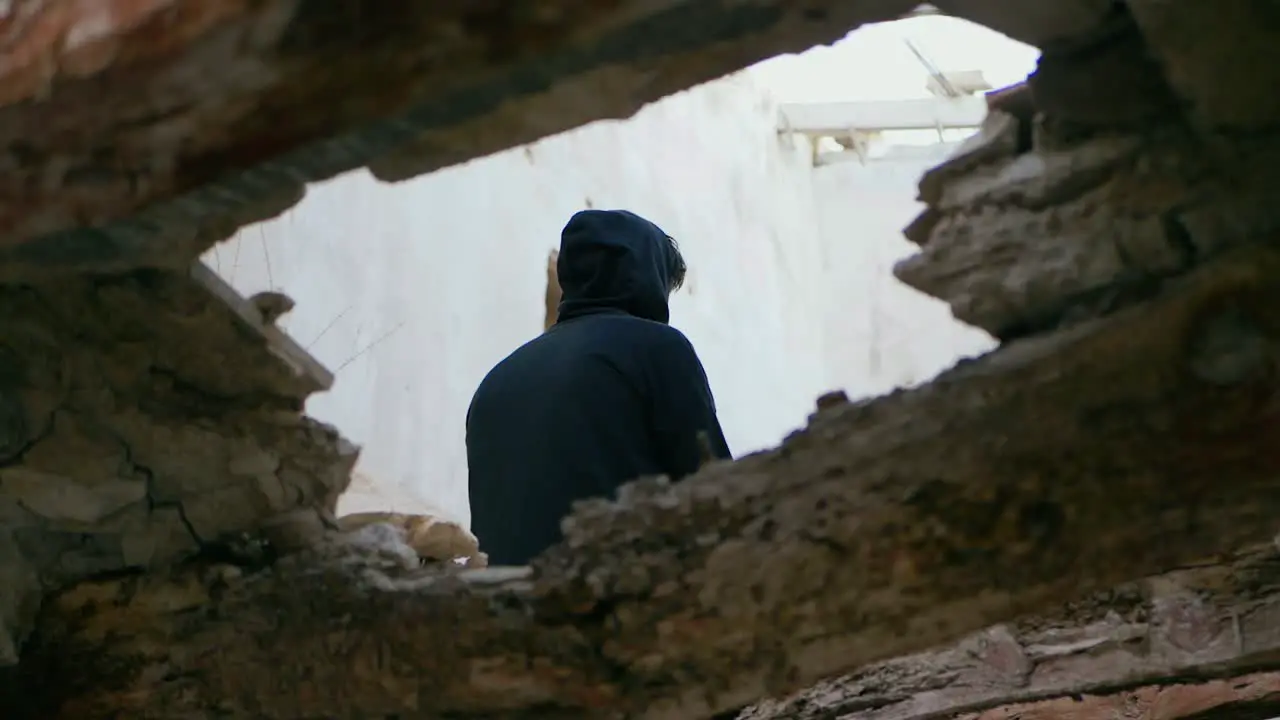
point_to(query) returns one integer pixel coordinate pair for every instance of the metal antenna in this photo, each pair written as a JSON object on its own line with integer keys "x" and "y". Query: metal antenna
{"x": 947, "y": 88}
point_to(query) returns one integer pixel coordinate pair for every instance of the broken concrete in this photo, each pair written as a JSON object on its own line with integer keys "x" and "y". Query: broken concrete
{"x": 431, "y": 538}
{"x": 1217, "y": 58}
{"x": 140, "y": 133}
{"x": 1255, "y": 696}
{"x": 1020, "y": 240}
{"x": 144, "y": 416}
{"x": 960, "y": 504}
{"x": 1211, "y": 620}
{"x": 1016, "y": 244}
{"x": 1042, "y": 24}
{"x": 1252, "y": 696}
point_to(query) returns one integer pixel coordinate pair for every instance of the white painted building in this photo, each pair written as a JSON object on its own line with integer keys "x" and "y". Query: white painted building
{"x": 411, "y": 292}
{"x": 879, "y": 333}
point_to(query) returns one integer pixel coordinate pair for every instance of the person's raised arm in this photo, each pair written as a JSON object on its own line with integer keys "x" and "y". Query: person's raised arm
{"x": 683, "y": 411}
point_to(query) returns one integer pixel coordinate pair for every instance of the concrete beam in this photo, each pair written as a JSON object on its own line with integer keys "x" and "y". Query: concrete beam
{"x": 839, "y": 118}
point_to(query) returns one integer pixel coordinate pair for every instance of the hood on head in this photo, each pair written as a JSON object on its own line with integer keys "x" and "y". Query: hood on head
{"x": 614, "y": 260}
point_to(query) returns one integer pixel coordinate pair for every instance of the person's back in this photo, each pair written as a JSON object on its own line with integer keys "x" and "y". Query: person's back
{"x": 609, "y": 394}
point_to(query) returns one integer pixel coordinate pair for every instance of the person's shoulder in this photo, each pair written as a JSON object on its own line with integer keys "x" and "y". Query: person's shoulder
{"x": 514, "y": 362}
{"x": 630, "y": 334}
{"x": 666, "y": 340}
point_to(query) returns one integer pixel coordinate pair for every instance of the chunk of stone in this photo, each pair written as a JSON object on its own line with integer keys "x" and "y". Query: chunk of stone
{"x": 61, "y": 498}
{"x": 1216, "y": 56}
{"x": 996, "y": 138}
{"x": 271, "y": 305}
{"x": 19, "y": 599}
{"x": 430, "y": 537}
{"x": 1228, "y": 349}
{"x": 1033, "y": 23}
{"x": 161, "y": 536}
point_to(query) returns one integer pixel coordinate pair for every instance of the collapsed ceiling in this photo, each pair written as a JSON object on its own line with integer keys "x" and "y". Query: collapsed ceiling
{"x": 168, "y": 548}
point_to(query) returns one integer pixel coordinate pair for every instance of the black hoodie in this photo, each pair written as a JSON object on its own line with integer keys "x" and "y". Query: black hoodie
{"x": 609, "y": 394}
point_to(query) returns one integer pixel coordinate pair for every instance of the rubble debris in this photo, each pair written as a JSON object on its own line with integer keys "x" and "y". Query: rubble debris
{"x": 272, "y": 305}
{"x": 147, "y": 419}
{"x": 1216, "y": 57}
{"x": 1247, "y": 697}
{"x": 961, "y": 503}
{"x": 1104, "y": 79}
{"x": 1039, "y": 25}
{"x": 996, "y": 139}
{"x": 140, "y": 133}
{"x": 1202, "y": 622}
{"x": 1021, "y": 244}
{"x": 433, "y": 539}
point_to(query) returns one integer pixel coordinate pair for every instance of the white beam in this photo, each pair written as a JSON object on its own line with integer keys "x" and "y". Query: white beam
{"x": 838, "y": 118}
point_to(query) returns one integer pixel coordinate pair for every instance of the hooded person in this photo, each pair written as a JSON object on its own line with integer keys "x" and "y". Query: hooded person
{"x": 610, "y": 393}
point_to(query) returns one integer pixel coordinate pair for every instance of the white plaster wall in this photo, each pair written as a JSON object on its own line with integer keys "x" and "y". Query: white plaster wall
{"x": 411, "y": 292}
{"x": 880, "y": 333}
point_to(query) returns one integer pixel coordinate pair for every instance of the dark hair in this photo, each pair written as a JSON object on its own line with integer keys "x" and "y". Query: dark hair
{"x": 677, "y": 267}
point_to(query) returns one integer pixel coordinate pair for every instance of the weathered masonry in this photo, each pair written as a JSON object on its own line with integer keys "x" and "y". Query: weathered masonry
{"x": 1084, "y": 518}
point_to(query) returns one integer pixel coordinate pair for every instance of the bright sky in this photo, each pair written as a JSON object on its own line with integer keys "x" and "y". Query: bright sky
{"x": 874, "y": 62}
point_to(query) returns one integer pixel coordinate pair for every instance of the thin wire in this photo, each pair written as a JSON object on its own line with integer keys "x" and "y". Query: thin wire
{"x": 369, "y": 347}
